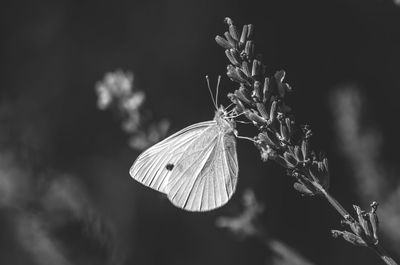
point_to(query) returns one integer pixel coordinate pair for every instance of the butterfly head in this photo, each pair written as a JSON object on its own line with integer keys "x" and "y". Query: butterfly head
{"x": 226, "y": 123}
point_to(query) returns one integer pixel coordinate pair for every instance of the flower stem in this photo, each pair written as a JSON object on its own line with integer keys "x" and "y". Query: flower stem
{"x": 383, "y": 255}
{"x": 341, "y": 210}
{"x": 260, "y": 98}
{"x": 378, "y": 249}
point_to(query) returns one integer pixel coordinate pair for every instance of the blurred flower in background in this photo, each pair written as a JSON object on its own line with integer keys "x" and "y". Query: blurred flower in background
{"x": 117, "y": 92}
{"x": 362, "y": 146}
{"x": 247, "y": 224}
{"x": 52, "y": 216}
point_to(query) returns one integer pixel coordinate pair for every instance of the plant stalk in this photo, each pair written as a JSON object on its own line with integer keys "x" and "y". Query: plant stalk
{"x": 378, "y": 249}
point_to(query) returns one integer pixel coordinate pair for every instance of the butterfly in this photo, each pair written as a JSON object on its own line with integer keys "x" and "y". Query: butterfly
{"x": 197, "y": 167}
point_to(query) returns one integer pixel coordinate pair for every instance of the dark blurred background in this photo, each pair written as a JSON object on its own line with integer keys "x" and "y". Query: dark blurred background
{"x": 66, "y": 196}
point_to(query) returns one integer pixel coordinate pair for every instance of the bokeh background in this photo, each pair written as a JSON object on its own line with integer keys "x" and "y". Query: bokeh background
{"x": 65, "y": 193}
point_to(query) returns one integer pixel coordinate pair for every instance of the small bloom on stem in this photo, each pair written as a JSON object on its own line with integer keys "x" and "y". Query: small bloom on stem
{"x": 302, "y": 189}
{"x": 373, "y": 218}
{"x": 223, "y": 42}
{"x": 232, "y": 29}
{"x": 243, "y": 37}
{"x": 349, "y": 237}
{"x": 362, "y": 228}
{"x": 233, "y": 59}
{"x": 229, "y": 38}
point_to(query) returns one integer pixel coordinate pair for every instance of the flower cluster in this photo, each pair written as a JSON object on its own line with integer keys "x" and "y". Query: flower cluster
{"x": 246, "y": 223}
{"x": 117, "y": 92}
{"x": 261, "y": 100}
{"x": 365, "y": 231}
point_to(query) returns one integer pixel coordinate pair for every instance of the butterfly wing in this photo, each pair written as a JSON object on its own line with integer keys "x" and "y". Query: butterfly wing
{"x": 150, "y": 168}
{"x": 205, "y": 177}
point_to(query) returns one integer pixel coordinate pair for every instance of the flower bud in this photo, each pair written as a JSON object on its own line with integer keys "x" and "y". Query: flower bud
{"x": 266, "y": 93}
{"x": 357, "y": 229}
{"x": 243, "y": 37}
{"x": 373, "y": 219}
{"x": 239, "y": 107}
{"x": 232, "y": 58}
{"x": 291, "y": 161}
{"x": 228, "y": 21}
{"x": 362, "y": 221}
{"x": 255, "y": 70}
{"x": 325, "y": 162}
{"x": 298, "y": 154}
{"x": 305, "y": 148}
{"x": 233, "y": 31}
{"x": 302, "y": 189}
{"x": 280, "y": 75}
{"x": 229, "y": 38}
{"x": 250, "y": 30}
{"x": 235, "y": 74}
{"x": 230, "y": 72}
{"x": 242, "y": 76}
{"x": 257, "y": 119}
{"x": 269, "y": 139}
{"x": 242, "y": 94}
{"x": 272, "y": 112}
{"x": 268, "y": 153}
{"x": 289, "y": 124}
{"x": 284, "y": 131}
{"x": 350, "y": 237}
{"x": 249, "y": 49}
{"x": 236, "y": 55}
{"x": 223, "y": 42}
{"x": 263, "y": 111}
{"x": 246, "y": 69}
{"x": 256, "y": 93}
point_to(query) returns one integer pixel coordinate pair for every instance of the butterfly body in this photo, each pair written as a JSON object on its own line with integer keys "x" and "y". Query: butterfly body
{"x": 205, "y": 167}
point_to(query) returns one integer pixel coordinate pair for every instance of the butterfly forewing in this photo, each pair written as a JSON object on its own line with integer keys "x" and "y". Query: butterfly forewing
{"x": 196, "y": 167}
{"x": 205, "y": 177}
{"x": 150, "y": 167}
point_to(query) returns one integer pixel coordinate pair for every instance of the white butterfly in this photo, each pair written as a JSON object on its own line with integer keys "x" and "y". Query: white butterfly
{"x": 196, "y": 167}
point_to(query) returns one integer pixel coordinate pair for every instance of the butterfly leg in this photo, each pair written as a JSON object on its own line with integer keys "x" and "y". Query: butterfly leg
{"x": 236, "y": 133}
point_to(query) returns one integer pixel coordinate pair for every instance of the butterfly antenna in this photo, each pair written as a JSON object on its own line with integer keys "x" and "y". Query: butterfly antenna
{"x": 229, "y": 111}
{"x": 216, "y": 93}
{"x": 229, "y": 106}
{"x": 211, "y": 94}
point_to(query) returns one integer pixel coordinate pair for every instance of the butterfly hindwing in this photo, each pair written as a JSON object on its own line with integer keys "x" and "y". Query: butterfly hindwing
{"x": 205, "y": 177}
{"x": 231, "y": 162}
{"x": 196, "y": 167}
{"x": 150, "y": 167}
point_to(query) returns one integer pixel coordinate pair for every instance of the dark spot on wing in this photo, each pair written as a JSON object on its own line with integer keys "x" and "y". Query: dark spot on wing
{"x": 169, "y": 167}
